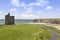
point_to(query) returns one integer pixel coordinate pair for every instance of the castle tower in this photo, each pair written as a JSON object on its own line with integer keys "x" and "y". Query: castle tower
{"x": 9, "y": 20}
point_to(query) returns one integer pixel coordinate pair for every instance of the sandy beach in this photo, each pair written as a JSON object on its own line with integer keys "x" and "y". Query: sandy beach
{"x": 57, "y": 26}
{"x": 53, "y": 25}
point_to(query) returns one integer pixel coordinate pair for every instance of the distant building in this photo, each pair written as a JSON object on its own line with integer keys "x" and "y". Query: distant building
{"x": 9, "y": 20}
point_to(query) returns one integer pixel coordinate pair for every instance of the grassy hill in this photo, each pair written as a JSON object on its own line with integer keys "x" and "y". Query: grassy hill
{"x": 23, "y": 32}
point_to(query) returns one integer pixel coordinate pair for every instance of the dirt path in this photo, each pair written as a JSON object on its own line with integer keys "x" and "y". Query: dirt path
{"x": 54, "y": 34}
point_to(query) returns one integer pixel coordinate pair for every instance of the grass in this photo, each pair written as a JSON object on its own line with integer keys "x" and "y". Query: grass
{"x": 23, "y": 32}
{"x": 54, "y": 29}
{"x": 58, "y": 39}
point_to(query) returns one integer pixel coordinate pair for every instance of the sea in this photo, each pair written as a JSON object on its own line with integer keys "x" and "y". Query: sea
{"x": 18, "y": 21}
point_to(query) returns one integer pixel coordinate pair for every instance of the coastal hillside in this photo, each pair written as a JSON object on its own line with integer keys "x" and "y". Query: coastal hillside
{"x": 23, "y": 32}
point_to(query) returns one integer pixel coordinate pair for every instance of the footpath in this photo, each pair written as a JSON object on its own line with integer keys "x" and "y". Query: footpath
{"x": 54, "y": 34}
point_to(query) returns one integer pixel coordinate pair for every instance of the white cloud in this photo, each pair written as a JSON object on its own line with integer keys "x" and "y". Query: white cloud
{"x": 20, "y": 15}
{"x": 31, "y": 4}
{"x": 0, "y": 12}
{"x": 13, "y": 10}
{"x": 22, "y": 4}
{"x": 18, "y": 3}
{"x": 15, "y": 2}
{"x": 2, "y": 15}
{"x": 58, "y": 9}
{"x": 39, "y": 3}
{"x": 48, "y": 7}
{"x": 28, "y": 9}
{"x": 39, "y": 12}
{"x": 42, "y": 2}
{"x": 27, "y": 16}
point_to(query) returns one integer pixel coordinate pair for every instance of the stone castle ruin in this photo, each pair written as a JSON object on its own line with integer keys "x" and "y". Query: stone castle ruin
{"x": 9, "y": 20}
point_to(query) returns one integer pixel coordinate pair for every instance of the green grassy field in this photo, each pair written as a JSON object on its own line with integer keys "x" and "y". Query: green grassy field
{"x": 23, "y": 32}
{"x": 58, "y": 39}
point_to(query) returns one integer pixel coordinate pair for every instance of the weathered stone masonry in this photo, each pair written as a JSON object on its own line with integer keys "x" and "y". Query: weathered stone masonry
{"x": 9, "y": 20}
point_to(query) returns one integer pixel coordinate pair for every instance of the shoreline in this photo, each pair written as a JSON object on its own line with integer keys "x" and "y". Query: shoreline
{"x": 47, "y": 24}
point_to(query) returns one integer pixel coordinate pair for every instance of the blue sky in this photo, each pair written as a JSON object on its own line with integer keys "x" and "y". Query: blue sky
{"x": 30, "y": 9}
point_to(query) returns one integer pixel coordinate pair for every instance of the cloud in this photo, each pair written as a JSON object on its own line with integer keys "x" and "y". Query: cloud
{"x": 22, "y": 4}
{"x": 18, "y": 3}
{"x": 58, "y": 9}
{"x": 0, "y": 12}
{"x": 2, "y": 15}
{"x": 42, "y": 2}
{"x": 39, "y": 12}
{"x": 39, "y": 3}
{"x": 15, "y": 2}
{"x": 31, "y": 4}
{"x": 48, "y": 7}
{"x": 23, "y": 15}
{"x": 13, "y": 10}
{"x": 28, "y": 9}
{"x": 27, "y": 16}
